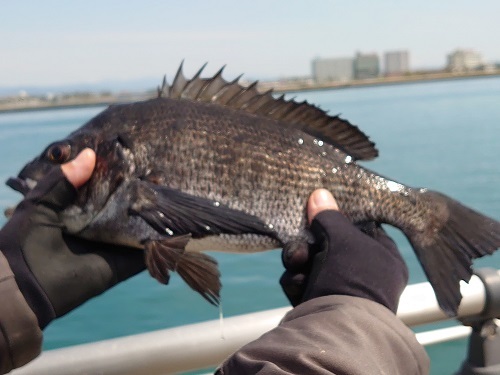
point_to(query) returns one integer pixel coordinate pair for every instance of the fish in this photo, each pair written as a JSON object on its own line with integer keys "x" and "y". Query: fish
{"x": 211, "y": 164}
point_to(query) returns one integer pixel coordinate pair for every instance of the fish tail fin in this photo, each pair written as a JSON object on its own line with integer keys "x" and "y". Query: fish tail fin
{"x": 451, "y": 239}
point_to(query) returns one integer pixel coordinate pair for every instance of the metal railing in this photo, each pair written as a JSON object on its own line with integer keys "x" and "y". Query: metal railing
{"x": 207, "y": 344}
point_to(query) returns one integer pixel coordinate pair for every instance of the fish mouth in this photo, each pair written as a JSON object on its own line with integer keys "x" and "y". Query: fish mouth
{"x": 20, "y": 185}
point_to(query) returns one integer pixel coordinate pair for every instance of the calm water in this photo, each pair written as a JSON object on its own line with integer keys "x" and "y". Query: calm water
{"x": 441, "y": 135}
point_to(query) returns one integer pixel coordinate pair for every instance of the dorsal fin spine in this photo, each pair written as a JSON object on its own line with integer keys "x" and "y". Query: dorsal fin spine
{"x": 163, "y": 90}
{"x": 252, "y": 104}
{"x": 228, "y": 91}
{"x": 211, "y": 83}
{"x": 259, "y": 101}
{"x": 289, "y": 113}
{"x": 179, "y": 83}
{"x": 244, "y": 95}
{"x": 194, "y": 86}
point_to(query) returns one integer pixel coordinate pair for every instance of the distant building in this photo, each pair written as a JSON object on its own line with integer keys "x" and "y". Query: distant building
{"x": 366, "y": 66}
{"x": 396, "y": 63}
{"x": 463, "y": 60}
{"x": 333, "y": 69}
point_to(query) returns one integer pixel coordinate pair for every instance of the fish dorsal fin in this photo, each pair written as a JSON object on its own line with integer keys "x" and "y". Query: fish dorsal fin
{"x": 299, "y": 115}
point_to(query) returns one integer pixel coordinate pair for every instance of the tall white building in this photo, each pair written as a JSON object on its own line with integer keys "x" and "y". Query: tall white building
{"x": 366, "y": 65}
{"x": 396, "y": 63}
{"x": 462, "y": 60}
{"x": 332, "y": 69}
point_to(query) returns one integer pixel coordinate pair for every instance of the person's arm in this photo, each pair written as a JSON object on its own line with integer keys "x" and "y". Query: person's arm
{"x": 44, "y": 273}
{"x": 20, "y": 335}
{"x": 345, "y": 293}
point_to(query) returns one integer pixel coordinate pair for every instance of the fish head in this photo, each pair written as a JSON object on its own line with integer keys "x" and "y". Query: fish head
{"x": 56, "y": 153}
{"x": 112, "y": 166}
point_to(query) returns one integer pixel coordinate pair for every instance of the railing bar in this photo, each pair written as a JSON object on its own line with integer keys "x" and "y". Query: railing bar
{"x": 441, "y": 335}
{"x": 199, "y": 346}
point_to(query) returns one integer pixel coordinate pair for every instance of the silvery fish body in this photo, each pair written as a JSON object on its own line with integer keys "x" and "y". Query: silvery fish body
{"x": 213, "y": 165}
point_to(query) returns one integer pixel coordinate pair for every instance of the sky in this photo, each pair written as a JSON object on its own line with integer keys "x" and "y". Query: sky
{"x": 49, "y": 42}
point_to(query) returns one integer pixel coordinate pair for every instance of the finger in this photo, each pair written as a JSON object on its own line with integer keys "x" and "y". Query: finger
{"x": 368, "y": 227}
{"x": 79, "y": 170}
{"x": 294, "y": 285}
{"x": 375, "y": 231}
{"x": 320, "y": 200}
{"x": 295, "y": 256}
{"x": 385, "y": 240}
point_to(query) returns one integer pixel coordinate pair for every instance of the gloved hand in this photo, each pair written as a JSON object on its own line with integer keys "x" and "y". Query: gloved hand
{"x": 347, "y": 260}
{"x": 54, "y": 271}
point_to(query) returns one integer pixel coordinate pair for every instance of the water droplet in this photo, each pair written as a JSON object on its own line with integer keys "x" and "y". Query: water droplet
{"x": 207, "y": 228}
{"x": 270, "y": 226}
{"x": 216, "y": 204}
{"x": 323, "y": 153}
{"x": 320, "y": 143}
{"x": 348, "y": 159}
{"x": 301, "y": 141}
{"x": 335, "y": 170}
{"x": 422, "y": 190}
{"x": 394, "y": 186}
{"x": 169, "y": 231}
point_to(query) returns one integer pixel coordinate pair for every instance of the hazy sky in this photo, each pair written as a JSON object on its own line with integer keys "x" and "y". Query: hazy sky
{"x": 58, "y": 42}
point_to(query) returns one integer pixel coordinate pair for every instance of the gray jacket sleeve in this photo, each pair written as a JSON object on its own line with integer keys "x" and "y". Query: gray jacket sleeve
{"x": 20, "y": 335}
{"x": 333, "y": 335}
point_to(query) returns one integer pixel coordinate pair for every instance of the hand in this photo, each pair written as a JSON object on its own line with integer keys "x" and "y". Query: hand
{"x": 54, "y": 271}
{"x": 347, "y": 260}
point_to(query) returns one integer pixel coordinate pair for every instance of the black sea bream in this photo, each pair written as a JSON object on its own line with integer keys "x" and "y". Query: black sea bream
{"x": 213, "y": 165}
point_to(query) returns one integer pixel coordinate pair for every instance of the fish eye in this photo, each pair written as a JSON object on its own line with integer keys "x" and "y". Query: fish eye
{"x": 59, "y": 152}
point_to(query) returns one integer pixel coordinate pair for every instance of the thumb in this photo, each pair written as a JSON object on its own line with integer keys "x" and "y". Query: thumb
{"x": 320, "y": 200}
{"x": 79, "y": 170}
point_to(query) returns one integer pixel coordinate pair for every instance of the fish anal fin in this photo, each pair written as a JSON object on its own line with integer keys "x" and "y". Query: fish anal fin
{"x": 288, "y": 113}
{"x": 198, "y": 270}
{"x": 201, "y": 273}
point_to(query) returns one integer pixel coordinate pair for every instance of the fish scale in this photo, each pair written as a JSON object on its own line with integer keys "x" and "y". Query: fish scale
{"x": 214, "y": 165}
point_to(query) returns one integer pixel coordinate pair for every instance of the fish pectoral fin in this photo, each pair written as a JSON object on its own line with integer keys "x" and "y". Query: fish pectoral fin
{"x": 174, "y": 212}
{"x": 198, "y": 270}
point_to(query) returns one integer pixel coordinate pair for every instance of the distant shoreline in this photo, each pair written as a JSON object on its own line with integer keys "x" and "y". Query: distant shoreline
{"x": 50, "y": 107}
{"x": 281, "y": 86}
{"x": 43, "y": 107}
{"x": 36, "y": 104}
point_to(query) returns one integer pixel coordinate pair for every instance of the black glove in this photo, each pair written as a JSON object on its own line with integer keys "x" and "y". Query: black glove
{"x": 57, "y": 272}
{"x": 348, "y": 260}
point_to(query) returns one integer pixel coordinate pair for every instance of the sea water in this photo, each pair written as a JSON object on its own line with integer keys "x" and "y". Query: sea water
{"x": 440, "y": 135}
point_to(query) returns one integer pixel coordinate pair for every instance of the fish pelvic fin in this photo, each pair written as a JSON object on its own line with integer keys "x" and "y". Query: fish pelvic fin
{"x": 198, "y": 270}
{"x": 452, "y": 239}
{"x": 287, "y": 112}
